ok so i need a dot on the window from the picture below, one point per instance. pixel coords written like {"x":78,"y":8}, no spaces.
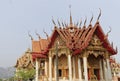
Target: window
{"x":60,"y":73}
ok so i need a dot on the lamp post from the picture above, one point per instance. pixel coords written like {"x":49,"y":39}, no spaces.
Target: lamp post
{"x":57,"y":79}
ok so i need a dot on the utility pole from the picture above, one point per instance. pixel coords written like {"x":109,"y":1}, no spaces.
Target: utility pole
{"x":57,"y":77}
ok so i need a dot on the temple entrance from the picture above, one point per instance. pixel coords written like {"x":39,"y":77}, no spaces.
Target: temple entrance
{"x":63,"y":67}
{"x":93,"y":68}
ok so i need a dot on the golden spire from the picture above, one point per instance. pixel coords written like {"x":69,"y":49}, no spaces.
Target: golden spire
{"x":70,"y":15}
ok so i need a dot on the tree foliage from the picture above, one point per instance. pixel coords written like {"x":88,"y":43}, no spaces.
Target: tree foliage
{"x":25,"y":74}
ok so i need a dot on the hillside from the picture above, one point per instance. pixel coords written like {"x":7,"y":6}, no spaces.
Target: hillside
{"x":7,"y":72}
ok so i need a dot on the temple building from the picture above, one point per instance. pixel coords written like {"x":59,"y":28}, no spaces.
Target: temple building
{"x":115,"y":68}
{"x":72,"y":53}
{"x":24,"y":63}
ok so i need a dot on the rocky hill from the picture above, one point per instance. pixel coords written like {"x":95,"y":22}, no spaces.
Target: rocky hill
{"x":7,"y":72}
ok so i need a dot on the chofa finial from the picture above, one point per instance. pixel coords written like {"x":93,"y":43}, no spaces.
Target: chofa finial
{"x":99,"y":15}
{"x":116,"y":49}
{"x":37,"y":35}
{"x":106,"y":36}
{"x":85,"y":21}
{"x":59,"y":23}
{"x":80,"y":23}
{"x":30,"y":35}
{"x":45,"y":33}
{"x":53,"y":22}
{"x":109,"y":30}
{"x":91,"y":19}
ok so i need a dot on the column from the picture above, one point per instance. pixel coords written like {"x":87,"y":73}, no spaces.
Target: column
{"x":55,"y":69}
{"x":105,"y":70}
{"x":70,"y":68}
{"x":46,"y":68}
{"x":109,"y":70}
{"x":101,"y":71}
{"x":79,"y":69}
{"x":50,"y":68}
{"x":74,"y":77}
{"x":36,"y":65}
{"x":85,"y":68}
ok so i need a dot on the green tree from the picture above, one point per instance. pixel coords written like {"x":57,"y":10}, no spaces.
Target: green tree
{"x":0,"y":79}
{"x":25,"y":74}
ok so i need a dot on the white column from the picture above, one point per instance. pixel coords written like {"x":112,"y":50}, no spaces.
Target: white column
{"x":50,"y":68}
{"x":46,"y":68}
{"x":70,"y":68}
{"x":101,"y":71}
{"x":79,"y":69}
{"x":36,"y":65}
{"x":109,"y":70}
{"x":105,"y":70}
{"x":85,"y":68}
{"x":55,"y":69}
{"x":74,"y":77}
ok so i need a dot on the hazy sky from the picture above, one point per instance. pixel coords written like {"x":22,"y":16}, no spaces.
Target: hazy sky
{"x":17,"y":17}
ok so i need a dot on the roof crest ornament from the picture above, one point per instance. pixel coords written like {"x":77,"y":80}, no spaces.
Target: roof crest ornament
{"x":30,"y":35}
{"x":53,"y":22}
{"x":80,"y":23}
{"x":106,"y":36}
{"x":85,"y":22}
{"x":116,"y":49}
{"x":99,"y":15}
{"x":77,"y":24}
{"x":37,"y":35}
{"x":65,"y":24}
{"x":62,"y":24}
{"x":91,"y":19}
{"x":58,"y":22}
{"x":45,"y":33}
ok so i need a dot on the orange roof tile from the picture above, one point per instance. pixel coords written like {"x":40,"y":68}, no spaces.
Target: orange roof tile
{"x":39,"y":46}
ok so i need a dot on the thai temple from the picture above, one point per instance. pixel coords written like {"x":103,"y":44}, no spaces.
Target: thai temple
{"x":115,"y":68}
{"x":72,"y":53}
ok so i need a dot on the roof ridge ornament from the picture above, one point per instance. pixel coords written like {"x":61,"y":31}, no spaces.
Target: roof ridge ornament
{"x":80,"y":23}
{"x":37,"y":35}
{"x":58,"y":22}
{"x":53,"y":21}
{"x":45,"y":33}
{"x":30,"y":35}
{"x":85,"y":22}
{"x":91,"y":19}
{"x":106,"y":36}
{"x":99,"y":15}
{"x":63,"y":24}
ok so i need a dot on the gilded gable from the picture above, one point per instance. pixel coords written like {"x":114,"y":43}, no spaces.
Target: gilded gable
{"x":59,"y":41}
{"x":95,"y":44}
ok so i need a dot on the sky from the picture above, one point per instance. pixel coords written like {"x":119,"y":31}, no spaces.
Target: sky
{"x":18,"y":17}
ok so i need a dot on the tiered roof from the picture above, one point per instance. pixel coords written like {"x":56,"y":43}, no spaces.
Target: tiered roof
{"x":76,"y":38}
